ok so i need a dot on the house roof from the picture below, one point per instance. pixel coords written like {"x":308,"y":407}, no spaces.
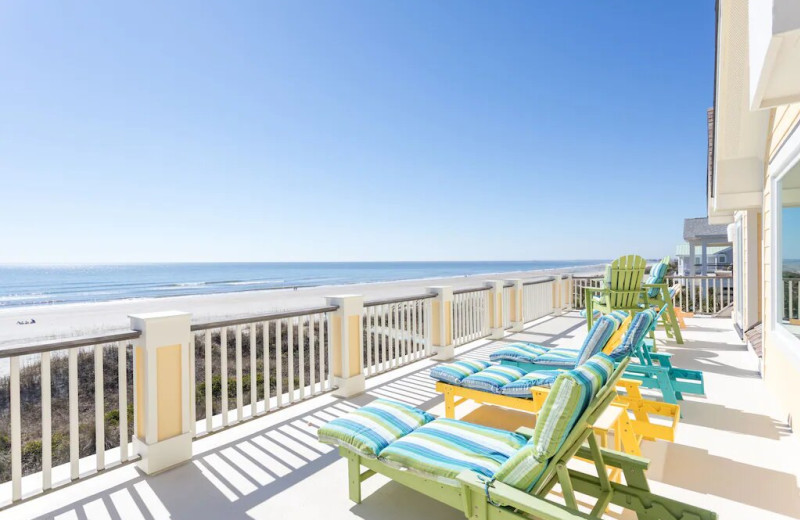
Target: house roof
{"x":697,"y":229}
{"x":683,"y":250}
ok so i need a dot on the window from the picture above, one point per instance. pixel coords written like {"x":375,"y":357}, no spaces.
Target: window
{"x":789,"y":250}
{"x":722,"y":259}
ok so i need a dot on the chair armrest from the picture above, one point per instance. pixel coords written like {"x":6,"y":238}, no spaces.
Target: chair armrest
{"x":539,"y":394}
{"x":615,"y":458}
{"x":513,"y":497}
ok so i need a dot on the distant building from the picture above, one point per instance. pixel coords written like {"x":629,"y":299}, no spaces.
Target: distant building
{"x":719,"y":258}
{"x":707,"y":247}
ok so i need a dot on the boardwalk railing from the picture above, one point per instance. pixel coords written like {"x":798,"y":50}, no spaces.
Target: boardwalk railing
{"x":69,"y":409}
{"x":66,"y":411}
{"x":470,"y":315}
{"x":703,"y":294}
{"x":537,"y":298}
{"x":396,"y":332}
{"x":252,"y":365}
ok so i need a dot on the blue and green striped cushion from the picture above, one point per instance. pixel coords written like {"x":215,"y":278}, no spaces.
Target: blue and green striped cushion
{"x":522,"y":470}
{"x":570,"y":395}
{"x":445,"y":447}
{"x":453,"y":373}
{"x":493,"y":378}
{"x":595,"y":341}
{"x":657,"y":274}
{"x":641,"y":324}
{"x":562,"y":357}
{"x":595,"y":313}
{"x":371,"y":428}
{"x":522,"y":386}
{"x":521,"y":352}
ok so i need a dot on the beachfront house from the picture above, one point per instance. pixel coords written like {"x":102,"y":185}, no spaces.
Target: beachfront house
{"x":706,"y":248}
{"x":219,"y":418}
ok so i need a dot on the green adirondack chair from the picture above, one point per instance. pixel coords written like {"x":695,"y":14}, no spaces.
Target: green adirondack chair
{"x":485,"y":498}
{"x":657,"y":293}
{"x":621,"y":290}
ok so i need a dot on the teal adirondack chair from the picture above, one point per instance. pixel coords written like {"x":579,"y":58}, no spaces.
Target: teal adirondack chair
{"x":657,"y":294}
{"x":621,"y":290}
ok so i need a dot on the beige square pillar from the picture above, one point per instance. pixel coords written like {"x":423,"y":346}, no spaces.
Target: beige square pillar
{"x":442,"y":323}
{"x":347,"y":344}
{"x":516,"y":306}
{"x":161,"y":390}
{"x":496,"y":330}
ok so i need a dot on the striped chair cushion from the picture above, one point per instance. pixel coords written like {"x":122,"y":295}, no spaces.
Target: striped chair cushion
{"x":371,"y":428}
{"x":595,"y":313}
{"x":571,"y":393}
{"x":561,"y":357}
{"x":522,"y":352}
{"x":522,"y":386}
{"x":445,"y":447}
{"x":522,"y":470}
{"x":657,"y":274}
{"x":640,"y":326}
{"x":453,"y":373}
{"x":493,"y":378}
{"x":594,"y":343}
{"x":616,"y":338}
{"x":596,"y":371}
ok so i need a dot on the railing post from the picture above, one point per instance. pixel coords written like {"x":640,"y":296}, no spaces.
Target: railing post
{"x":162,"y":433}
{"x":557,"y":294}
{"x":347,"y":344}
{"x":568,"y":292}
{"x":516,"y":303}
{"x":442,"y":323}
{"x":496,"y":330}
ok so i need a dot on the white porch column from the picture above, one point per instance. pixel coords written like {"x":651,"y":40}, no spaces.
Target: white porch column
{"x":162,"y":433}
{"x":496,"y":330}
{"x":347,"y":344}
{"x":691,"y":260}
{"x":516,"y":306}
{"x":567,"y":291}
{"x":442,"y":323}
{"x":704,"y":259}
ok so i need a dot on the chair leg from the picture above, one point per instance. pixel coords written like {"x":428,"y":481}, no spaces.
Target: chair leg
{"x":354,"y":477}
{"x":673,"y":323}
{"x":449,"y":404}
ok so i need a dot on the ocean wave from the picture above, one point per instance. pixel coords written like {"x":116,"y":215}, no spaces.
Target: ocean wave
{"x":252,"y":282}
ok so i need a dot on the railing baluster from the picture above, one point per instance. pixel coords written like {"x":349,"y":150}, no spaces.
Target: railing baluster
{"x":327,"y":335}
{"x":16,"y":430}
{"x":312,"y":354}
{"x":99,"y":409}
{"x":239,"y":386}
{"x":73,"y":414}
{"x":290,"y":356}
{"x":368,"y":369}
{"x":383,"y":339}
{"x":47,"y":431}
{"x":209,"y":382}
{"x":223,"y":370}
{"x":265,"y":347}
{"x":253,"y":371}
{"x":122,"y":376}
{"x":278,"y":363}
{"x":301,"y":349}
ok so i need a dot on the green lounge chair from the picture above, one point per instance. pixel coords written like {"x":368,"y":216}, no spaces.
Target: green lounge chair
{"x":493,"y":474}
{"x":621,"y":290}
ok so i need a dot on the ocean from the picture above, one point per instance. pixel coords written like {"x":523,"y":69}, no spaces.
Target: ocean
{"x":26,"y":285}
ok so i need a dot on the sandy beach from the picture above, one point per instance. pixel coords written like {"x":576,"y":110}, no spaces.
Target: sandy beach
{"x":60,"y":321}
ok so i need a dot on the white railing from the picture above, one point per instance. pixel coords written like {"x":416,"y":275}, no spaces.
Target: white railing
{"x":55,"y":437}
{"x":791,"y":299}
{"x":253,"y":365}
{"x":703,"y":294}
{"x":470,"y":315}
{"x":537,"y":299}
{"x":396,"y":332}
{"x":579,"y":286}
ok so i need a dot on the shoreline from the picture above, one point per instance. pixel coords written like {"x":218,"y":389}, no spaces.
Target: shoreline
{"x":73,"y":319}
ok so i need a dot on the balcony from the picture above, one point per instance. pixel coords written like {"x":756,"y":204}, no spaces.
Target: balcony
{"x":733,"y":453}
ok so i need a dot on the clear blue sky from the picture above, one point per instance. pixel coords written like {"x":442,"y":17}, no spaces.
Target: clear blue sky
{"x":358,"y":130}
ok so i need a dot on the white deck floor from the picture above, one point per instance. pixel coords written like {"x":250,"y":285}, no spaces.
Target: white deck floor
{"x":733,"y":452}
